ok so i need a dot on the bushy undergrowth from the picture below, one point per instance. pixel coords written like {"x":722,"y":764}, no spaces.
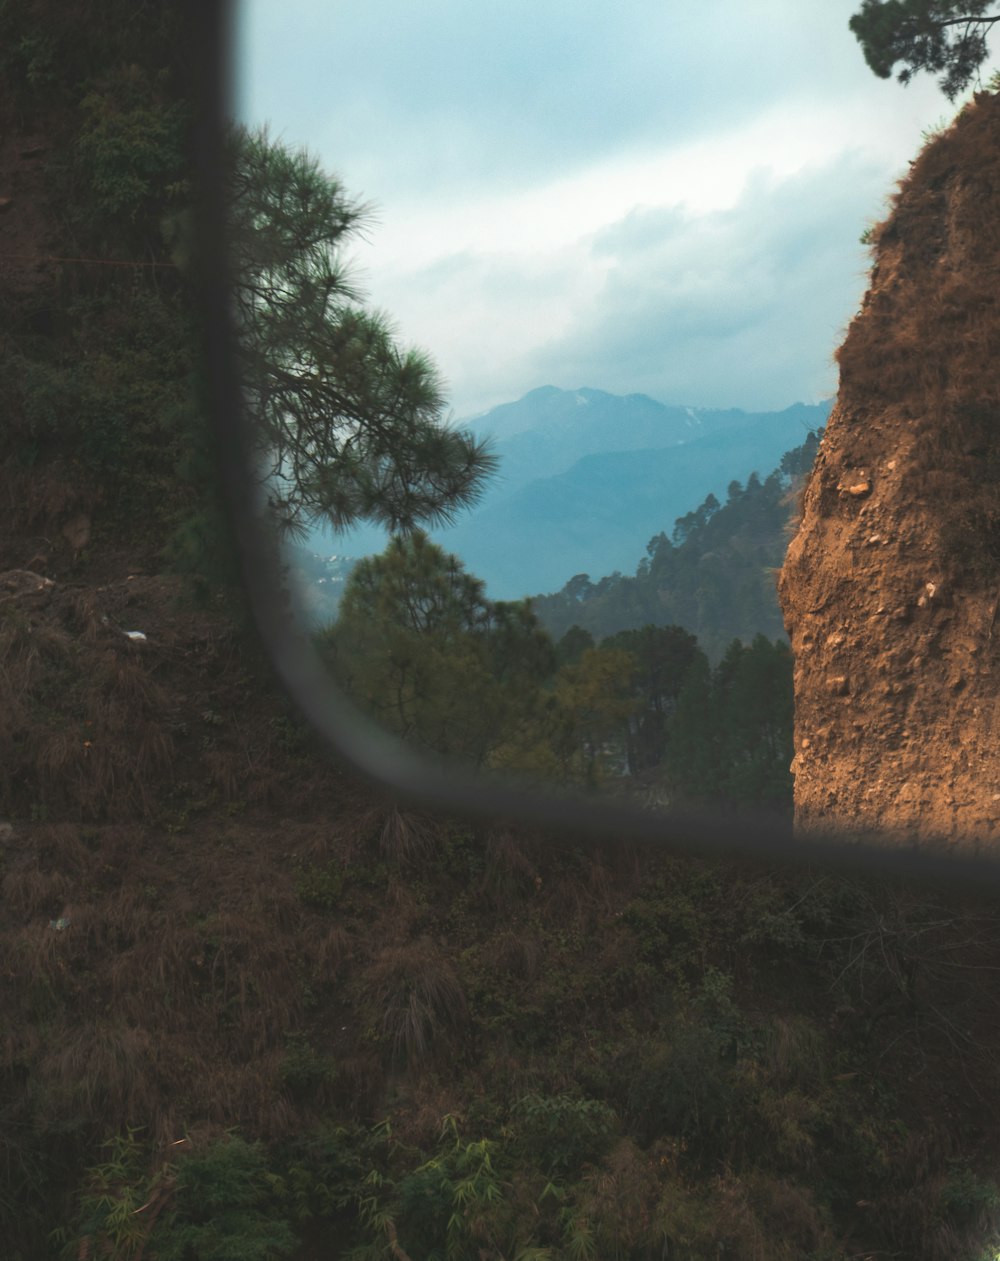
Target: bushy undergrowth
{"x":635,"y":1053}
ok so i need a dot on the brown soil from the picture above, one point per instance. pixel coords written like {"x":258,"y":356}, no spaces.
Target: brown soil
{"x":890,"y":587}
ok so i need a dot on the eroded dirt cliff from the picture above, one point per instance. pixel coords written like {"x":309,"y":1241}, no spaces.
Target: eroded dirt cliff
{"x":890,"y":587}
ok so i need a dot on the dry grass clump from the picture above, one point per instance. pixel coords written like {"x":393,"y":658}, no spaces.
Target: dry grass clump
{"x":120,"y":765}
{"x":770,"y":1218}
{"x":930,"y":318}
{"x":793,"y":1050}
{"x":76,"y":734}
{"x":519,"y":953}
{"x":29,"y":891}
{"x":510,"y":874}
{"x":403,"y":837}
{"x":948,"y":1216}
{"x":33,"y":657}
{"x":418,"y":998}
{"x":44,"y":496}
{"x":334,"y":949}
{"x":926,"y":344}
{"x":247,"y":1093}
{"x":107,"y":1067}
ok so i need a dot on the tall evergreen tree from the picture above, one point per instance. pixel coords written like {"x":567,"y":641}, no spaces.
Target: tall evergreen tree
{"x":349,"y":426}
{"x":662,"y":656}
{"x":419,"y":645}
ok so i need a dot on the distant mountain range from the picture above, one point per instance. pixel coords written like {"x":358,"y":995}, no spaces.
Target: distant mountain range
{"x":587,"y":478}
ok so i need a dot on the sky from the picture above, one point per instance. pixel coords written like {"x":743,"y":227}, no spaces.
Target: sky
{"x":642,"y":196}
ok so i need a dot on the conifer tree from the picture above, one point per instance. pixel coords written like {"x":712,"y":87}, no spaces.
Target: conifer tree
{"x":420,"y":646}
{"x":349,"y":426}
{"x":944,"y":37}
{"x":662,"y":655}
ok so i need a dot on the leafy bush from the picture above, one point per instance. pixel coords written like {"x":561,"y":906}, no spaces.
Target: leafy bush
{"x":303,"y":1069}
{"x":224,"y":1210}
{"x":560,"y":1133}
{"x":214,"y":1204}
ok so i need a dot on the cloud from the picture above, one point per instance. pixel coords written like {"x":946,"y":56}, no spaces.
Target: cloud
{"x":446,"y":95}
{"x":737,"y":307}
{"x":568,"y":194}
{"x":740,"y":306}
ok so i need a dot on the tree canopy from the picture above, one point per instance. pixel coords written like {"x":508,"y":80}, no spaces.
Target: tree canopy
{"x":943,"y":37}
{"x":419,"y":645}
{"x":350,"y":426}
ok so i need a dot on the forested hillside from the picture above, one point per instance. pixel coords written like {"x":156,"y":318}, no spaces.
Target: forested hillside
{"x":252,"y":1007}
{"x":715,"y":575}
{"x":418,"y":645}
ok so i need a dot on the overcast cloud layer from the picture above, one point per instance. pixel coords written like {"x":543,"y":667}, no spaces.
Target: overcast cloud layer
{"x":641,"y":197}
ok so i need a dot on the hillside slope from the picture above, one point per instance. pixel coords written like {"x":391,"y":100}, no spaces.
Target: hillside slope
{"x":890,"y":586}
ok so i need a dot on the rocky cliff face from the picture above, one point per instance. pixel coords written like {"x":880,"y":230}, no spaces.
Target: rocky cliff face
{"x":891,"y":585}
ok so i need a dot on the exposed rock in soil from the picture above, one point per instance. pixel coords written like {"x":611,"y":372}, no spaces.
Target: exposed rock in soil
{"x":891,"y":585}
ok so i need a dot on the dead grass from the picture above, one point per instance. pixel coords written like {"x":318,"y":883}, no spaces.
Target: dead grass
{"x":30,"y":891}
{"x":45,"y":496}
{"x":947,"y":1216}
{"x":333,"y":950}
{"x":509,"y":874}
{"x":794,"y":1051}
{"x":519,"y":953}
{"x":417,"y":997}
{"x":107,"y":1067}
{"x":402,"y":837}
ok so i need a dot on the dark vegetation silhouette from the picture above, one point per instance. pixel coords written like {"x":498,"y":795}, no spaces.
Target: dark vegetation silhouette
{"x":253,"y":1008}
{"x":419,"y":646}
{"x":945,"y":37}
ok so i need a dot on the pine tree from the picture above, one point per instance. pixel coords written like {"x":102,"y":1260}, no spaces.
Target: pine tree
{"x":349,"y":426}
{"x":662,"y":655}
{"x":945,"y":37}
{"x":420,"y":646}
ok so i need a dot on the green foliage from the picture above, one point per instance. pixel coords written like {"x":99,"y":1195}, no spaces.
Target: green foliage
{"x":130,"y":157}
{"x":348,"y":426}
{"x":213,"y":1204}
{"x":322,"y":1172}
{"x":662,"y":656}
{"x":303,"y":1070}
{"x":592,"y":708}
{"x":560,"y":1133}
{"x":572,"y":646}
{"x":418,"y":644}
{"x":320,"y":884}
{"x":101,"y":368}
{"x":945,"y":37}
{"x":967,"y":1198}
{"x":442,"y":1210}
{"x":730,"y":740}
{"x":110,"y":1203}
{"x":224,"y":1208}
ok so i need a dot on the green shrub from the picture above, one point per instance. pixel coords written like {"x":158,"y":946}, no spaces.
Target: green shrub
{"x":215,"y":1204}
{"x":224,"y":1209}
{"x":320,"y":884}
{"x":303,"y":1070}
{"x":560,"y":1133}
